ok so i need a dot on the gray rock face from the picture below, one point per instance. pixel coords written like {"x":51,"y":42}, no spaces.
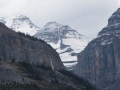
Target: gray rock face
{"x":53,"y":32}
{"x":100,"y":60}
{"x":23,"y":49}
{"x":64,"y":40}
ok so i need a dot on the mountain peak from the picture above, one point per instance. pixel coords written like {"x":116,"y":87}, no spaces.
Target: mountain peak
{"x":51,"y":26}
{"x":113,"y":26}
{"x":118,"y":8}
{"x":101,"y":55}
{"x":19,"y":22}
{"x":18,"y":16}
{"x":66,"y":41}
{"x":52,"y":23}
{"x":115,"y":18}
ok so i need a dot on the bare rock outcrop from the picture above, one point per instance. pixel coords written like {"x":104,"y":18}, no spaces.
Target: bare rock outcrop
{"x":99,"y":62}
{"x":20,"y":48}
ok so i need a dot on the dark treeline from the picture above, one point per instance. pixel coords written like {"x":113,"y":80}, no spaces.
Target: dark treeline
{"x":33,"y":38}
{"x":30,"y":37}
{"x":44,"y":67}
{"x":80,"y":80}
{"x":17,"y":86}
{"x":35,"y":74}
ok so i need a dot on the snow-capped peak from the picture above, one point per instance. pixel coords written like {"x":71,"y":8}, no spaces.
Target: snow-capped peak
{"x":53,"y":22}
{"x":20,"y":23}
{"x":66,"y":41}
{"x":53,"y":26}
{"x":18,"y":16}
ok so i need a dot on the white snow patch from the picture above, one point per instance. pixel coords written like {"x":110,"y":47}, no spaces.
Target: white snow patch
{"x":55,"y":46}
{"x":21,"y":23}
{"x":70,"y":64}
{"x":106,"y":42}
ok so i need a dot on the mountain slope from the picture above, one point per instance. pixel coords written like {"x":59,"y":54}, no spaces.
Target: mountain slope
{"x":20,"y":23}
{"x":99,"y":62}
{"x":21,"y":48}
{"x":24,"y":76}
{"x":27,"y":63}
{"x":66,"y":41}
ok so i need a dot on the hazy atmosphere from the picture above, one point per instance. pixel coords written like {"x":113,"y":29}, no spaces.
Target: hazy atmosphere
{"x":88,"y":17}
{"x":53,"y":45}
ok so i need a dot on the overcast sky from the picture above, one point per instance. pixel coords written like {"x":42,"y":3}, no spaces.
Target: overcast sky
{"x":88,"y":17}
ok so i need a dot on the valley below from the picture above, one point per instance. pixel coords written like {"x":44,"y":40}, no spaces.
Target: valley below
{"x":57,"y":57}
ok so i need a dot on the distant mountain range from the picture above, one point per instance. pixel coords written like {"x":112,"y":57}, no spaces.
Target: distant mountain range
{"x":66,"y":41}
{"x":27,"y":63}
{"x":97,"y":60}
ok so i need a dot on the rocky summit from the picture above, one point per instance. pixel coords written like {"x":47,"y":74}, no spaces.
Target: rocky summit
{"x":20,"y":23}
{"x":99,"y":62}
{"x":65,"y":40}
{"x":19,"y":47}
{"x":27,"y":63}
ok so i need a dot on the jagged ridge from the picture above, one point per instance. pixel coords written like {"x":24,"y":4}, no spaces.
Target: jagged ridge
{"x":20,"y":23}
{"x":25,"y":49}
{"x":100,"y":60}
{"x":67,"y":42}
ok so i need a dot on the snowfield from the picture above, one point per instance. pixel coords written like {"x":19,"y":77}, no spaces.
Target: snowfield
{"x":66,"y":41}
{"x":20,"y":23}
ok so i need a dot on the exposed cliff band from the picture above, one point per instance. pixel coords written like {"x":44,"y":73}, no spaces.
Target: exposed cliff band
{"x":99,"y":62}
{"x":24,"y":49}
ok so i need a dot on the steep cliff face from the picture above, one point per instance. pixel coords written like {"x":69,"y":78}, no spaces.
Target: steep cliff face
{"x":21,"y":57}
{"x":65,"y":40}
{"x":19,"y":48}
{"x":57,"y":35}
{"x":99,"y":62}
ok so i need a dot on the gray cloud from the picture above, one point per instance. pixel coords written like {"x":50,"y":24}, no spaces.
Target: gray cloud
{"x":86,"y":16}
